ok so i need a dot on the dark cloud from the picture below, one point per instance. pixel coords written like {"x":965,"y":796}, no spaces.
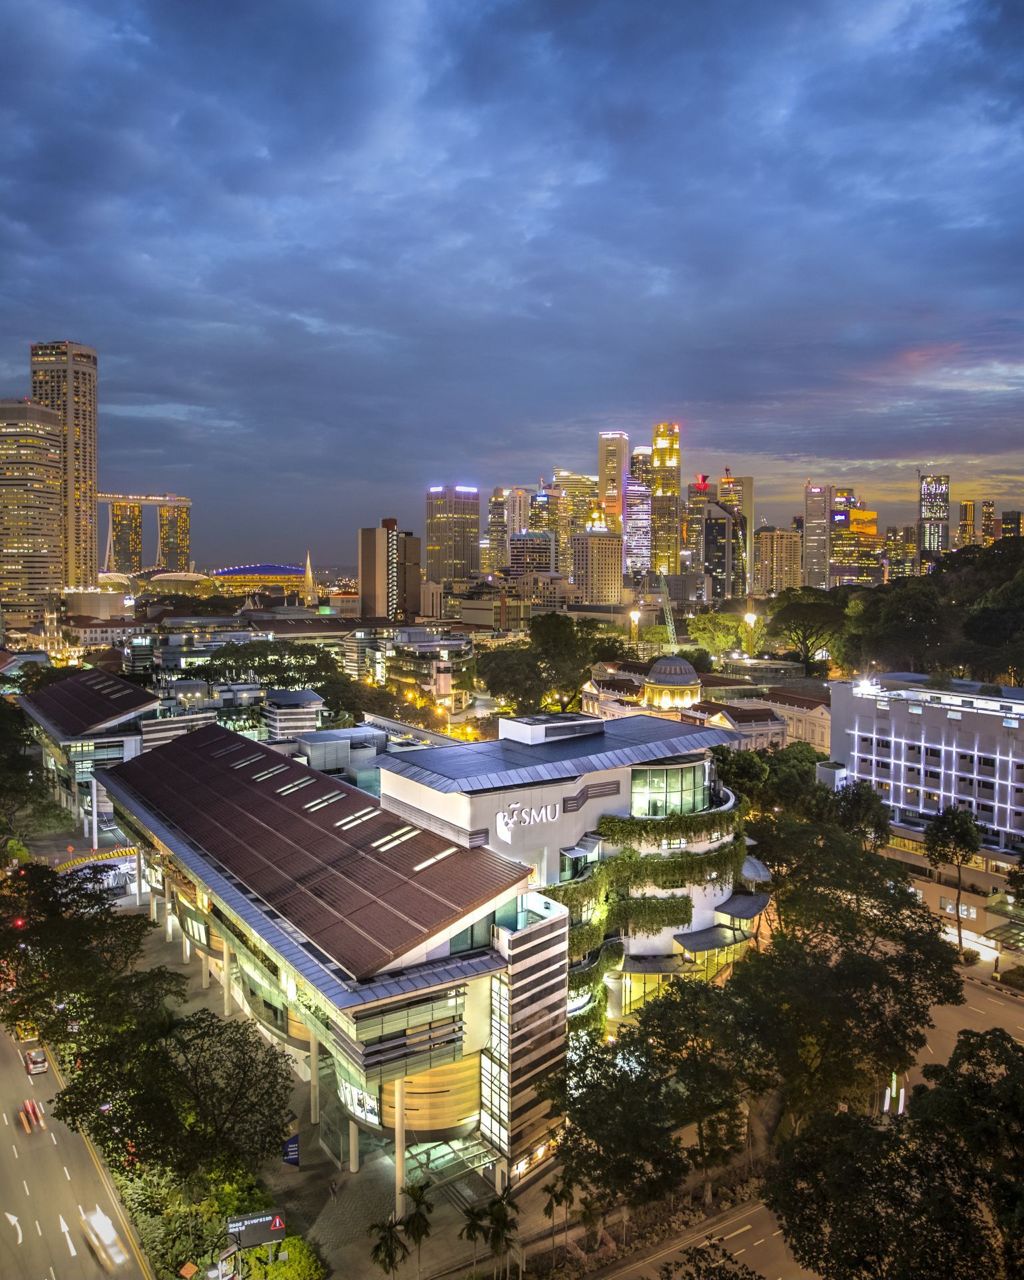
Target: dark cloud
{"x":333,"y":252}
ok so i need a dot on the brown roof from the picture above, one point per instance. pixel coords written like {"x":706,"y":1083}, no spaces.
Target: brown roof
{"x":87,"y":701}
{"x":738,"y":714}
{"x":360,"y":883}
{"x":786,"y":698}
{"x":711,"y":681}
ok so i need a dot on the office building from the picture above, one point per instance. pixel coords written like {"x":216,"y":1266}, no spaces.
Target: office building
{"x":597,"y":566}
{"x":612,"y":472}
{"x":641,"y":465}
{"x":966,"y":529}
{"x":126,"y":531}
{"x":665,"y":498}
{"x":724,"y":551}
{"x":517,"y":509}
{"x":497,"y":532}
{"x":174,"y":535}
{"x":1011,"y":524}
{"x":988,"y":522}
{"x":855,"y":546}
{"x":698,"y":494}
{"x":636,"y":518}
{"x":453,"y":533}
{"x":31,"y":512}
{"x":417,"y":979}
{"x":736,"y":493}
{"x":777,"y":560}
{"x":817,"y":514}
{"x":124,"y":539}
{"x":389,"y":572}
{"x":64,"y":378}
{"x":899,"y":552}
{"x":531,"y":552}
{"x":933,"y":516}
{"x":547,"y":515}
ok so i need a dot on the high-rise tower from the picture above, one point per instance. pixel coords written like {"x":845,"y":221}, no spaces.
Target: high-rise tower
{"x":453,"y":532}
{"x":31,"y":565}
{"x":817,"y":514}
{"x":389,"y":573}
{"x":612,"y":471}
{"x":64,"y":378}
{"x":665,"y":512}
{"x":636,"y":521}
{"x":933,"y":515}
{"x":967,"y":528}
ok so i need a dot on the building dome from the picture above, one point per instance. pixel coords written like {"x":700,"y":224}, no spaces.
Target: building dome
{"x":666,"y":672}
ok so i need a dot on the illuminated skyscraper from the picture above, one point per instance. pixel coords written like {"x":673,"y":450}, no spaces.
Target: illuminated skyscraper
{"x":665,"y":505}
{"x":698,"y":494}
{"x":531,"y":552}
{"x":640,"y":467}
{"x":855,"y":547}
{"x":933,"y":516}
{"x":31,"y":509}
{"x":125,"y":547}
{"x":637,"y":532}
{"x":777,"y":560}
{"x":497,"y":532}
{"x":988,"y":522}
{"x":724,"y":551}
{"x":817,"y":512}
{"x":737,"y":494}
{"x":1011,"y":524}
{"x":966,"y":530}
{"x":612,"y":471}
{"x":517,"y":509}
{"x":453,"y":532}
{"x":597,"y":566}
{"x":899,"y":552}
{"x":64,"y":378}
{"x":389,"y":573}
{"x":174,"y":530}
{"x":546,"y":516}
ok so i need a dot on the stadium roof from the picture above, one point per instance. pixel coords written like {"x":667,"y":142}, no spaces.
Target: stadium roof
{"x":87,"y":702}
{"x":259,"y":571}
{"x":357,"y":886}
{"x":491,"y":766}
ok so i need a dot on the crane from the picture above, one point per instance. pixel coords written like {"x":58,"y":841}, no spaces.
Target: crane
{"x":666,"y":606}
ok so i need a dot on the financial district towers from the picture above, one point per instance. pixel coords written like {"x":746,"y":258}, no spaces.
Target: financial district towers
{"x":31,"y":510}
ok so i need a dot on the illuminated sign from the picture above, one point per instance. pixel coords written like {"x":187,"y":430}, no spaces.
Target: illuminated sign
{"x":517,"y":815}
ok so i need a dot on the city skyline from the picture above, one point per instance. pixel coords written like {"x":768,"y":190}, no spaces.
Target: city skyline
{"x":563,"y":221}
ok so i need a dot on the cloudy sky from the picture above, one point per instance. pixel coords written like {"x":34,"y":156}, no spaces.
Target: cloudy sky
{"x":334,"y":251}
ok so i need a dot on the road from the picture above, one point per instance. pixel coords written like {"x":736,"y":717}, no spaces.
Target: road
{"x":46,"y":1178}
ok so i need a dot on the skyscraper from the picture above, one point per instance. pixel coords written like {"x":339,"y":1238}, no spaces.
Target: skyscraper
{"x":698,"y":494}
{"x":546,"y":517}
{"x":988,"y":522}
{"x":636,"y":519}
{"x":612,"y":471}
{"x":497,"y":532}
{"x":899,"y":552}
{"x":737,"y":494}
{"x":817,"y":513}
{"x":966,"y":529}
{"x":64,"y":378}
{"x":855,"y":546}
{"x":453,"y":532}
{"x":597,"y":566}
{"x":640,"y":464}
{"x":1011,"y":524}
{"x":777,"y":563}
{"x":174,"y":535}
{"x":31,"y":508}
{"x":517,"y":509}
{"x":724,"y":551}
{"x":389,"y":573}
{"x":665,"y":509}
{"x":531,"y":552}
{"x":125,"y":546}
{"x":933,"y":516}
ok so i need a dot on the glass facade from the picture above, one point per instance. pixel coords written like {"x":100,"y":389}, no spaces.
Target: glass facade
{"x":682,"y":788}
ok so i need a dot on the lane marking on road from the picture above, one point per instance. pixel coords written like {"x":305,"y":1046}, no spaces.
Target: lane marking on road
{"x":757,"y":1242}
{"x":777,"y":1233}
{"x":25,"y":1185}
{"x":993,"y":1000}
{"x":6,"y":1121}
{"x":52,"y":1276}
{"x":67,"y":1233}
{"x":53,"y":1138}
{"x":738,"y":1232}
{"x":930,"y":1049}
{"x":15,"y":1150}
{"x":15,"y":1224}
{"x":974,"y":1008}
{"x":736,"y":1252}
{"x":66,"y":1174}
{"x":39,"y":1230}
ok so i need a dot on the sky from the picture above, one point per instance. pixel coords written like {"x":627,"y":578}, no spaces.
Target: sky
{"x":332,"y":252}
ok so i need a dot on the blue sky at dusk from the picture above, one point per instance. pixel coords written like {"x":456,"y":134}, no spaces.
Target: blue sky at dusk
{"x":334,"y":252}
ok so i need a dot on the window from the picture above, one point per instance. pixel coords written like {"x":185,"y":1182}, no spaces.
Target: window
{"x":948,"y":905}
{"x":675,"y":789}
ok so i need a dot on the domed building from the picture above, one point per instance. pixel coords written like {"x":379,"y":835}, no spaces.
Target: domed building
{"x":672,"y":684}
{"x":181,"y":583}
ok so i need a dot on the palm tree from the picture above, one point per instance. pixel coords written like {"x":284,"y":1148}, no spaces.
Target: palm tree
{"x":416,"y":1223}
{"x":560,"y":1194}
{"x":474,"y":1228}
{"x":503,"y":1226}
{"x":389,"y":1250}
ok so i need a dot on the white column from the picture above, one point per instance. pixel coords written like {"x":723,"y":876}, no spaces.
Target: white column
{"x":399,"y":1146}
{"x":154,"y":907}
{"x":204,"y":961}
{"x":186,"y":948}
{"x":95,"y":812}
{"x":314,"y":1079}
{"x":138,"y":878}
{"x":353,"y":1147}
{"x":168,"y":916}
{"x":226,"y":978}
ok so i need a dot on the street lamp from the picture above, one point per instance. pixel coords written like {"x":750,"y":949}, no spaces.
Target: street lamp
{"x":634,"y":617}
{"x":751,"y":619}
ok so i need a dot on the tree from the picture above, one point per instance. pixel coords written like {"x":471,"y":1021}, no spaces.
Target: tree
{"x":474,"y":1227}
{"x":513,"y":676}
{"x":718,"y":633}
{"x":952,"y":838}
{"x":502,"y":1227}
{"x":860,"y":810}
{"x":807,"y":622}
{"x":389,"y":1250}
{"x":859,"y":1199}
{"x":416,"y":1223}
{"x":302,"y":1262}
{"x":563,"y":650}
{"x":560,"y":1195}
{"x":687,"y":1031}
{"x":207,"y":1094}
{"x":708,"y":1261}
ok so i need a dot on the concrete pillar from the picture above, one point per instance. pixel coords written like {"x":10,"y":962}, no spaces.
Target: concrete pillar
{"x":168,"y":916}
{"x":154,"y":907}
{"x":226,"y":978}
{"x":95,"y":813}
{"x":314,"y":1079}
{"x":138,"y":878}
{"x":186,"y":948}
{"x":204,"y":961}
{"x":399,"y":1146}
{"x":353,"y":1147}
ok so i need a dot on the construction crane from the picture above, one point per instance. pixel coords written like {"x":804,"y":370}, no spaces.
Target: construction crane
{"x":666,"y":606}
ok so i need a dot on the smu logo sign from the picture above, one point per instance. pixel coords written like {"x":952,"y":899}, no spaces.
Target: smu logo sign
{"x":517,"y":815}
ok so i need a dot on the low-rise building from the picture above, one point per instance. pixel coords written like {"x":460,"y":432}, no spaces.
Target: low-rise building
{"x":759,"y":727}
{"x":808,"y":716}
{"x":287,"y":713}
{"x":417,"y":982}
{"x":427,"y":663}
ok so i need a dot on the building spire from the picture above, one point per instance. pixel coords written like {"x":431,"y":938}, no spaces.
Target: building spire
{"x":310,"y":595}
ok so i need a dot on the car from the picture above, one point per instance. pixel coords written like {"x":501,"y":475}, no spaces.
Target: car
{"x":102,"y":1238}
{"x":36,"y":1061}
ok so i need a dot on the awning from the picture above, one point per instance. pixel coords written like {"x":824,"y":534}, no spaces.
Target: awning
{"x":753,"y":869}
{"x":744,"y":906}
{"x":656,"y":964}
{"x":1009,"y":936}
{"x":713,"y":939}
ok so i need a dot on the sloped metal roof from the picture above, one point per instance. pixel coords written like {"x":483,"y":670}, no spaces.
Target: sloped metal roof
{"x":86,"y":702}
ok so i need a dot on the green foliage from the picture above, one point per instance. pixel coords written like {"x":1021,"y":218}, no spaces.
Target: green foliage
{"x":708,"y":1261}
{"x":699,"y":659}
{"x":649,"y":915}
{"x":389,"y":1250}
{"x":953,"y":838}
{"x":584,"y":938}
{"x":718,"y":633}
{"x":773,"y":777}
{"x":1013,"y":978}
{"x":302,"y":1263}
{"x":637,"y":832}
{"x":807,"y":620}
{"x":513,"y":675}
{"x":591,"y":976}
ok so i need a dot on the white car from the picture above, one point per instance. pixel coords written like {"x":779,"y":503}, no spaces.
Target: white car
{"x":35,"y":1061}
{"x":104,"y":1241}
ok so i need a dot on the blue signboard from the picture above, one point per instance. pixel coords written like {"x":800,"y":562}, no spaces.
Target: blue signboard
{"x":290,"y":1150}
